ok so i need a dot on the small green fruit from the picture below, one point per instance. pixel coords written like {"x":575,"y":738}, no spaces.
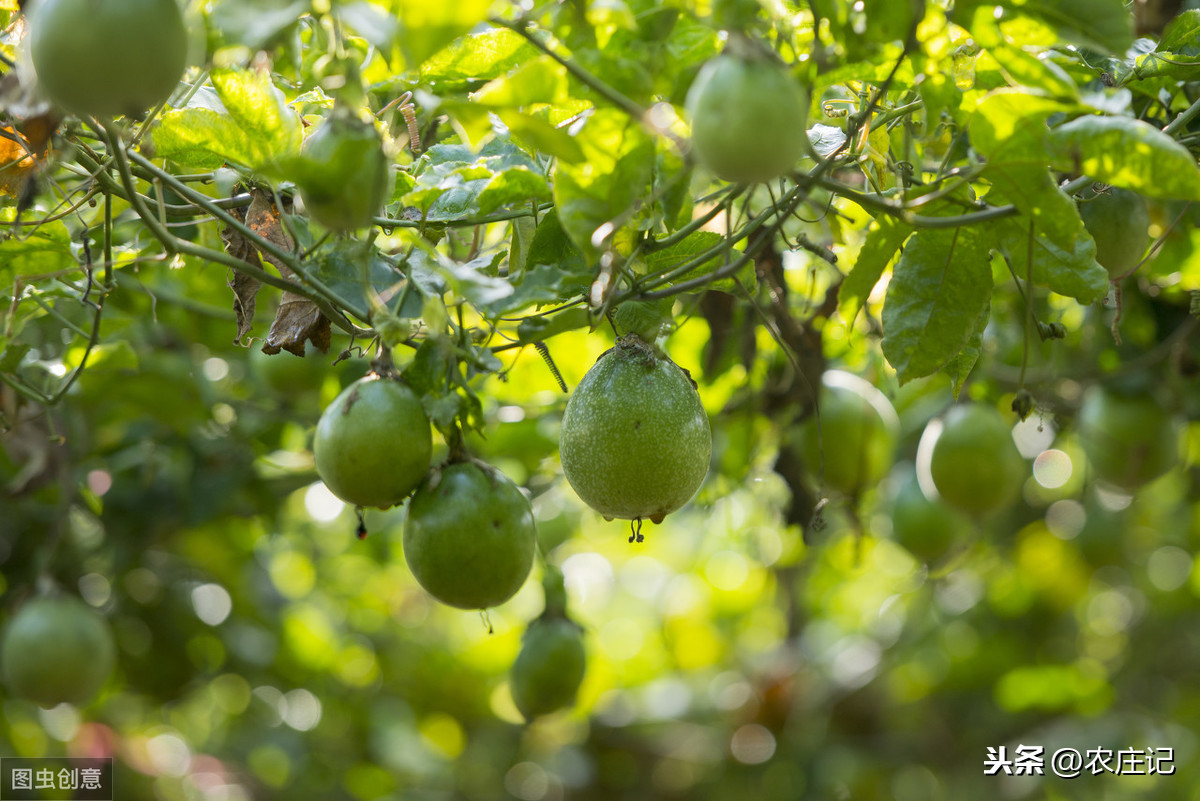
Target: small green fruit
{"x":343,"y":173}
{"x":926,"y":528}
{"x":549,"y":668}
{"x":635,"y":440}
{"x":858,"y":428}
{"x":470,"y":536}
{"x":373,"y":443}
{"x":56,"y":650}
{"x":975,"y":464}
{"x":748,"y":118}
{"x":107,"y":57}
{"x":1129,"y":440}
{"x":1119,"y":222}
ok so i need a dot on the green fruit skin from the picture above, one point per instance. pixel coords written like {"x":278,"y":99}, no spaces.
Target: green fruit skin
{"x":925,"y":528}
{"x":56,"y":650}
{"x":347,"y":182}
{"x":107,"y":57}
{"x":470,"y":536}
{"x":635,"y":440}
{"x":1129,"y":439}
{"x":1119,"y":221}
{"x":856,"y":442}
{"x":975,"y":463}
{"x":373,"y":443}
{"x":748,"y":119}
{"x":550,"y":667}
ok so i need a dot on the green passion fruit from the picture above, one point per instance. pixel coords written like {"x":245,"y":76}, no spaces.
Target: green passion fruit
{"x":1119,"y":222}
{"x":748,"y":118}
{"x":1129,"y":440}
{"x":635,"y":440}
{"x":974,"y":461}
{"x":926,"y":528}
{"x":105,"y":58}
{"x":855,"y":436}
{"x":343,"y":172}
{"x":470,"y":536}
{"x":56,"y":650}
{"x":549,"y":668}
{"x":373,"y":443}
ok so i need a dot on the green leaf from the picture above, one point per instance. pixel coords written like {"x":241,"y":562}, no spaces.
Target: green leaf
{"x":540,"y":135}
{"x":1072,"y":272}
{"x":343,"y":267}
{"x":960,"y":366}
{"x":883,"y":240}
{"x":200,"y":138}
{"x":593,"y":195}
{"x":513,"y":187}
{"x":458,"y":182}
{"x":44,"y":251}
{"x":538,"y":329}
{"x":551,"y":245}
{"x":539,"y":80}
{"x":255,"y":23}
{"x":1177,"y":54}
{"x":475,"y":280}
{"x":940,"y":286}
{"x":693,"y":246}
{"x":245,"y":120}
{"x":260,"y":110}
{"x":1009,"y":126}
{"x":1031,"y":189}
{"x":1182,"y":34}
{"x":476,"y":57}
{"x":425,"y":27}
{"x":1105,"y":25}
{"x":544,"y":283}
{"x":371,"y":22}
{"x":1128,"y":153}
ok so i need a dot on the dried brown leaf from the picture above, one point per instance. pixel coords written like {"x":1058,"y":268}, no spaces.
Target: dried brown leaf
{"x":297,"y":319}
{"x":245,"y":288}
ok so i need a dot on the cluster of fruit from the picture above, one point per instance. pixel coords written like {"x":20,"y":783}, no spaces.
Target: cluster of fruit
{"x":635,"y":444}
{"x":972,"y":461}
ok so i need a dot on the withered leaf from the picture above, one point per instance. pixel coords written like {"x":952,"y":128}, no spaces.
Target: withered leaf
{"x":297,"y":319}
{"x":245,"y":293}
{"x":245,"y":288}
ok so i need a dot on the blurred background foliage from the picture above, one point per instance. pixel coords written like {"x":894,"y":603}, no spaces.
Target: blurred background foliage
{"x":265,"y":652}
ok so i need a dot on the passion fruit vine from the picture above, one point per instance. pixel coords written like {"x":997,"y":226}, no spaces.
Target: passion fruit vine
{"x":635,"y":439}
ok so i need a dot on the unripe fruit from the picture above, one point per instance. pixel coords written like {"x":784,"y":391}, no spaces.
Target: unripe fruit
{"x":857,"y":433}
{"x":975,"y":464}
{"x":107,"y":57}
{"x":926,"y":528}
{"x":748,"y":118}
{"x":343,"y":177}
{"x":373,"y":443}
{"x":1129,"y":439}
{"x":1119,"y":222}
{"x":56,"y":650}
{"x":635,"y":439}
{"x":470,"y":536}
{"x":549,"y":668}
